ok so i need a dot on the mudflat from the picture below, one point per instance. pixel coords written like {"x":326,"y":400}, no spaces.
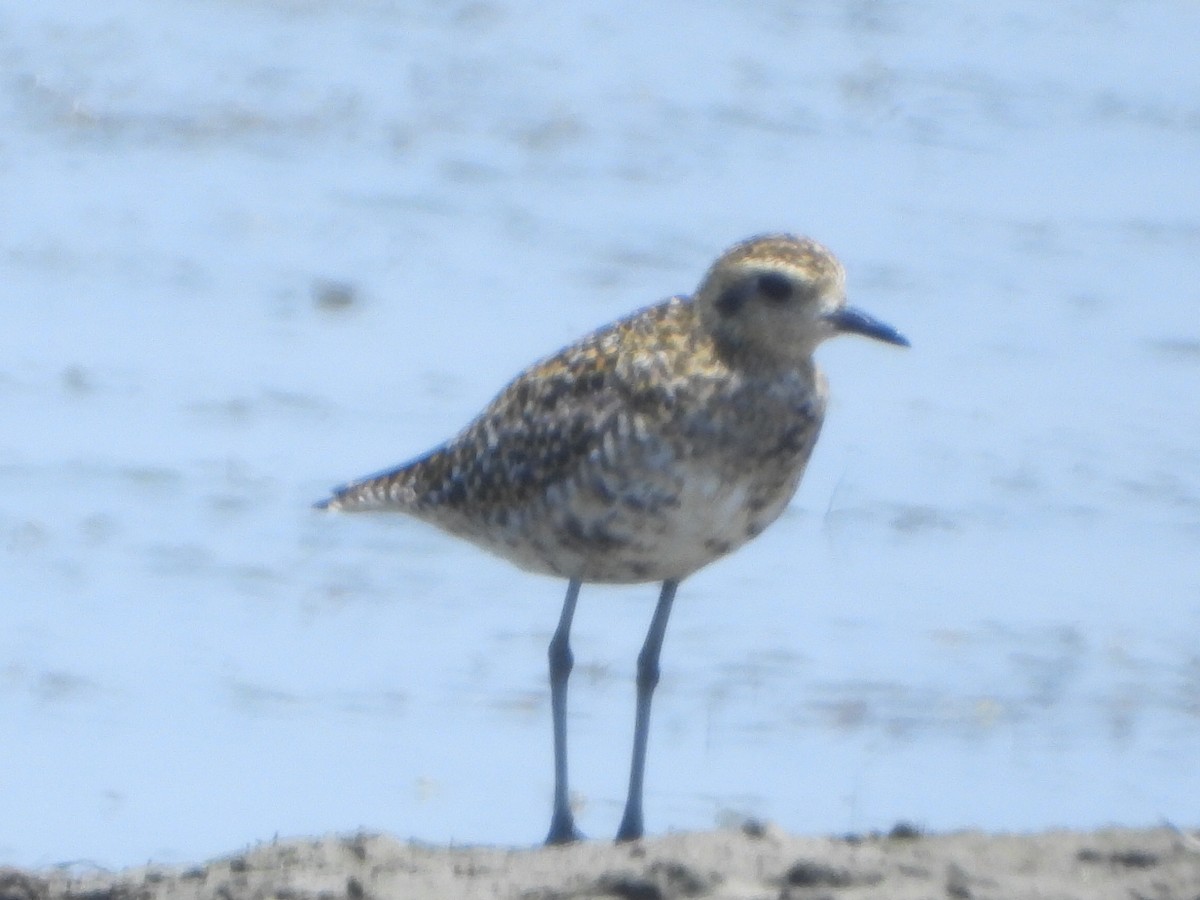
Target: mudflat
{"x":753,"y":861}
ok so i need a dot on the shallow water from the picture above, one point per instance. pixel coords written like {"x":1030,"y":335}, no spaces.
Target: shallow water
{"x":251,"y":249}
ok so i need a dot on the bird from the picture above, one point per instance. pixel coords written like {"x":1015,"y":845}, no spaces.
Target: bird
{"x":641,"y":453}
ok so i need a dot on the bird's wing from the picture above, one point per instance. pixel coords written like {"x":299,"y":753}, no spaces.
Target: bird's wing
{"x":548,"y":423}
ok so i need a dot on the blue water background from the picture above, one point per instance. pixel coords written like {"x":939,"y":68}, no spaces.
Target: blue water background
{"x":250,"y":248}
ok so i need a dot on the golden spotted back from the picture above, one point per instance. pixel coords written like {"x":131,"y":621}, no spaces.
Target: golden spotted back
{"x":652,"y":446}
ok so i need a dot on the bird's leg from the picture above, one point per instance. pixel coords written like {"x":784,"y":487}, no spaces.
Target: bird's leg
{"x":647,"y":678}
{"x":562,"y":822}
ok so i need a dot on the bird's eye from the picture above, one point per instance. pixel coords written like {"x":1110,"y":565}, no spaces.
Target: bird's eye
{"x":775,"y":287}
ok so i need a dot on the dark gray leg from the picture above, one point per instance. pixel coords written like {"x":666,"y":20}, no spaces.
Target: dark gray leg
{"x":562,"y":822}
{"x":647,"y":678}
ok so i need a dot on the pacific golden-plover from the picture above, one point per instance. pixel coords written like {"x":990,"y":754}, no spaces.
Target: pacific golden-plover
{"x":643,"y":452}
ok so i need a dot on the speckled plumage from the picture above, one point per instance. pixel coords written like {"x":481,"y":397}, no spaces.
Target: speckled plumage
{"x":645,"y":450}
{"x":642,"y":452}
{"x":592,"y":459}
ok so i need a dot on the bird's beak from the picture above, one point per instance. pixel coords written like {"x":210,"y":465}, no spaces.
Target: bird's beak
{"x":854,"y":321}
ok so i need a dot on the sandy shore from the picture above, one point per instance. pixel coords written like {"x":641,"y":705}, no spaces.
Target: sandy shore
{"x":752,"y":862}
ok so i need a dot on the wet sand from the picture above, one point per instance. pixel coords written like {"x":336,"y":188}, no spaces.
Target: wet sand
{"x":751,"y":862}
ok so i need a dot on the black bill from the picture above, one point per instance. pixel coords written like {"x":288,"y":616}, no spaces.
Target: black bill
{"x":854,"y":321}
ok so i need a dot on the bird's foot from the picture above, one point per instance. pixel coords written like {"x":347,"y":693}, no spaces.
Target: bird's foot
{"x":631,"y":828}
{"x":563,"y":830}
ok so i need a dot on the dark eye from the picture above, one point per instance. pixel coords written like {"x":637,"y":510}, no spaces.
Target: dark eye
{"x":775,"y":287}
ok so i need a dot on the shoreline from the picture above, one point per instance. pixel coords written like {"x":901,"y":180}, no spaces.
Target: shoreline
{"x":754,"y":861}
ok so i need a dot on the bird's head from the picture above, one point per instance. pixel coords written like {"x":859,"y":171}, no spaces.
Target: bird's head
{"x":772,"y":299}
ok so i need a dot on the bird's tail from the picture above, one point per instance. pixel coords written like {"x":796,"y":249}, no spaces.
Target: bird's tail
{"x":390,"y":490}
